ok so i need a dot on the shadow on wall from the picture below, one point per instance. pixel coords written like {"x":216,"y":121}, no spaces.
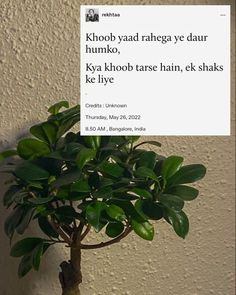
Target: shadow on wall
{"x":10,"y":284}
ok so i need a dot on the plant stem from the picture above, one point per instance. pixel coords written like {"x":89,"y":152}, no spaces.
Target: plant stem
{"x":59,"y":230}
{"x":84,"y":234}
{"x":70,"y":276}
{"x":108,"y":243}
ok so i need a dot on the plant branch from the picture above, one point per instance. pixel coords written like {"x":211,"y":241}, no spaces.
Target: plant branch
{"x":76,"y":238}
{"x":59,"y":230}
{"x":108,"y":243}
{"x":85,"y":232}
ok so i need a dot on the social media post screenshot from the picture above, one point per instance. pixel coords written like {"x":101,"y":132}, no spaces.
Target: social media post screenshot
{"x":155,"y":70}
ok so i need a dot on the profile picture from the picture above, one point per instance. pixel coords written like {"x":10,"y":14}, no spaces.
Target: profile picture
{"x":92,"y":15}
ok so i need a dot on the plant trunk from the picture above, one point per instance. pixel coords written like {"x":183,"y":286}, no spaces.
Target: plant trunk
{"x":70,"y":276}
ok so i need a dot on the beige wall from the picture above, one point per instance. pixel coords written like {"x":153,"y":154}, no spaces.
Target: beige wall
{"x":39,"y":65}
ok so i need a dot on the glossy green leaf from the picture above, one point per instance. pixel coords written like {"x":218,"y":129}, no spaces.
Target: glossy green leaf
{"x":37,"y":255}
{"x":148,"y":209}
{"x":32,"y":259}
{"x":10,"y":195}
{"x":112,"y":169}
{"x":187,"y":174}
{"x":93,"y":214}
{"x":84,"y":156}
{"x":46,"y":227}
{"x":93,"y":142}
{"x":71,"y":150}
{"x":126,"y":205}
{"x":179,"y":221}
{"x":67,"y":123}
{"x":30,"y":148}
{"x":41,"y":200}
{"x":25,"y":265}
{"x":7,"y":154}
{"x":46,"y":131}
{"x":142,"y":193}
{"x":146,"y":172}
{"x":54,"y":109}
{"x":67,"y":178}
{"x":81,"y":186}
{"x":113,"y":230}
{"x":94,"y":180}
{"x":25,"y":246}
{"x":186,"y":193}
{"x":104,"y":192}
{"x":105,"y":182}
{"x":143,"y":228}
{"x":147,"y":159}
{"x":116,"y":212}
{"x":66,"y":214}
{"x":171,"y":201}
{"x":170,"y":166}
{"x":13,"y":221}
{"x":25,"y":220}
{"x":30,"y":172}
{"x":65,"y":115}
{"x":76,"y":196}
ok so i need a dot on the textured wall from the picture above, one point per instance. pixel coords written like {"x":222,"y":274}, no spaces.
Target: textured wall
{"x":39,"y":65}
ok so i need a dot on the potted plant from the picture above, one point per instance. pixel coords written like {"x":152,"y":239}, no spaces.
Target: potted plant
{"x":72,"y":184}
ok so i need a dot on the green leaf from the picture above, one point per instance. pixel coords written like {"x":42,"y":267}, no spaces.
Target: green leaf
{"x":25,"y":265}
{"x":54,"y":109}
{"x":147,"y":159}
{"x":71,"y":150}
{"x":171,"y":201}
{"x":13,"y":220}
{"x":67,"y":123}
{"x":94,"y":180}
{"x":84,"y":156}
{"x":186,"y":193}
{"x":146,"y":172}
{"x":46,"y":131}
{"x":41,"y":200}
{"x":67,"y":178}
{"x":143,"y":228}
{"x":7,"y":154}
{"x":170,"y":166}
{"x":112,"y":169}
{"x":187,"y":174}
{"x":141,"y":193}
{"x":93,"y":142}
{"x":46,"y":227}
{"x":148,"y":209}
{"x":37,"y":255}
{"x":127,"y":206}
{"x":104,"y":192}
{"x":10,"y":195}
{"x":30,"y":172}
{"x":66,"y":214}
{"x":113,"y":230}
{"x":116,"y":212}
{"x":25,"y":246}
{"x":106,"y":182}
{"x":69,"y":114}
{"x":93,"y":214}
{"x":76,"y":196}
{"x":179,"y":221}
{"x":80,"y":186}
{"x":30,"y":148}
{"x":25,"y":220}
